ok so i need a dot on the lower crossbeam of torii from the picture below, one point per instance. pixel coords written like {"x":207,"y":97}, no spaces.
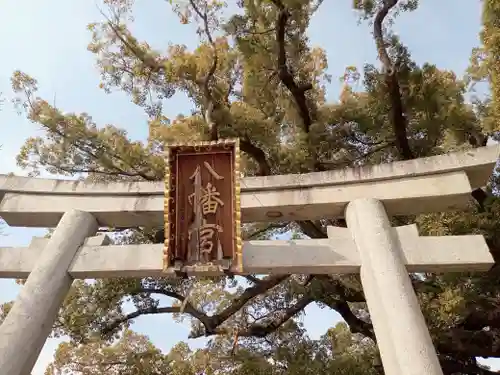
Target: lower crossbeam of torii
{"x":366,"y":197}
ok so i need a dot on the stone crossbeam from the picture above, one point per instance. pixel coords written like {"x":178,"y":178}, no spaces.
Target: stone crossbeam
{"x":434,"y":184}
{"x":337,"y":254}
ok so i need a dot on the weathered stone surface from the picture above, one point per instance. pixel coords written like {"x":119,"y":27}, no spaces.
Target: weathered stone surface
{"x":337,"y":254}
{"x":29,"y":322}
{"x":431,"y":184}
{"x":403,"y":339}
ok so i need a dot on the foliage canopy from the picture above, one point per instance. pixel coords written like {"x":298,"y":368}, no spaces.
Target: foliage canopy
{"x":255,"y":76}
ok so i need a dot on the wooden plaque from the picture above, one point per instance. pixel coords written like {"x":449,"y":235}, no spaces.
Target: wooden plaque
{"x":202,"y":207}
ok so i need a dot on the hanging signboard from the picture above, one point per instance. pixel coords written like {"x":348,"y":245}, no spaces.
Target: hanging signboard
{"x":202,"y":207}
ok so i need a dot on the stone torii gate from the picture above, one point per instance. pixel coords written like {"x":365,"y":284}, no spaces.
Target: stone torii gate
{"x":365,"y":196}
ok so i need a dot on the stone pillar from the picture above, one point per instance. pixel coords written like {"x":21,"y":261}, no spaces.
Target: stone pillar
{"x":28,"y":324}
{"x":380,"y":324}
{"x":402,"y":335}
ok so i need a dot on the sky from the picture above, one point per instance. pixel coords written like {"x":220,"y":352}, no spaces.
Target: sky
{"x":48,"y":39}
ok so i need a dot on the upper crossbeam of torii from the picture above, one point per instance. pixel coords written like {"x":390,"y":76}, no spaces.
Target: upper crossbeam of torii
{"x":432,"y":184}
{"x":366,"y":197}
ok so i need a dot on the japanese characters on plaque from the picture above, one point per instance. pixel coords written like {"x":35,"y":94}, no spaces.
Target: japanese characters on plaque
{"x":202,"y":207}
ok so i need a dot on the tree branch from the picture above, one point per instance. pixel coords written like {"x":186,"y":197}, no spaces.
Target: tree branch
{"x":311,"y":229}
{"x":262,"y":330}
{"x":145,"y":311}
{"x":398,"y":118}
{"x":329,"y":165}
{"x":354,"y":138}
{"x":356,"y":325}
{"x":378,"y":35}
{"x":211,"y":323}
{"x":470,"y":343}
{"x":149,"y":62}
{"x":252,"y":279}
{"x":101,"y":152}
{"x":456,"y":350}
{"x":298,"y":91}
{"x":258,"y":155}
{"x":120,"y":172}
{"x":452,"y":366}
{"x":261,"y":231}
{"x":207,"y":80}
{"x":483,"y":314}
{"x":336,"y":287}
{"x":245,"y":144}
{"x":249,"y":293}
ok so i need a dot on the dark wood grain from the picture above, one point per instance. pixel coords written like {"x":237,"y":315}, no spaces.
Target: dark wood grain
{"x":183,"y":161}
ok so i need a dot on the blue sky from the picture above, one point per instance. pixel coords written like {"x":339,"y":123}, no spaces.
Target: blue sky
{"x":48,"y":41}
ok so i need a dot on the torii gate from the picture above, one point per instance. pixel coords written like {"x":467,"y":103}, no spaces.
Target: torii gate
{"x":370,"y":246}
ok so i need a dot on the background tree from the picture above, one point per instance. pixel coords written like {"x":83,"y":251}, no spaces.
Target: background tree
{"x":255,"y":77}
{"x":338,"y":352}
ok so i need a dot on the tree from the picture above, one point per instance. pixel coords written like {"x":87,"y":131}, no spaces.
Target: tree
{"x":484,"y":64}
{"x":256,"y":78}
{"x":133,"y":354}
{"x":336,"y":353}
